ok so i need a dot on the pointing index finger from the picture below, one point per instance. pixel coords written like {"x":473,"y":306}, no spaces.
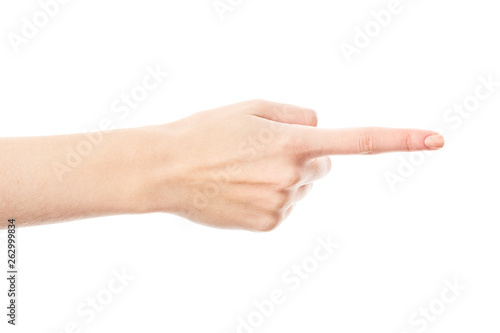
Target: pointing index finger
{"x":367,"y":140}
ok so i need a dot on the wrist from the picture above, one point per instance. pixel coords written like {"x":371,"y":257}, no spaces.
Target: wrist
{"x":151,"y":153}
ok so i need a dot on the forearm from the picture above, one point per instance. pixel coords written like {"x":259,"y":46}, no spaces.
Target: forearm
{"x":65,"y":177}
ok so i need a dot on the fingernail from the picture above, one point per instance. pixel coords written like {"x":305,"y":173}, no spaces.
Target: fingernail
{"x":435,"y":141}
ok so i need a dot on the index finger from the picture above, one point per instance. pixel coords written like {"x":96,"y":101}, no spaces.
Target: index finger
{"x":367,"y":140}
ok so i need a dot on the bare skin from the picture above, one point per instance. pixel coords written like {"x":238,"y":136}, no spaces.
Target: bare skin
{"x":240,"y":166}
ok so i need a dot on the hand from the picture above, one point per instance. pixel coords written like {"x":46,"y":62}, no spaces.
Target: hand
{"x":246,"y":165}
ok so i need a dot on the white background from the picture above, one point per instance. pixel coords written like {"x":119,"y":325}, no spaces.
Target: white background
{"x":397,"y":247}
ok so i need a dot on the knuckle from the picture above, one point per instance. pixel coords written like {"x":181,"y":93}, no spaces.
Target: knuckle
{"x":289,"y":178}
{"x":304,"y":191}
{"x":293,"y":145}
{"x":409,"y":142}
{"x":328,"y":165}
{"x":268,"y":222}
{"x":308,"y":188}
{"x":278,"y":200}
{"x":290,"y":145}
{"x":365,"y":142}
{"x":286,"y":142}
{"x":311,"y":117}
{"x":304,"y":116}
{"x":260,"y":103}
